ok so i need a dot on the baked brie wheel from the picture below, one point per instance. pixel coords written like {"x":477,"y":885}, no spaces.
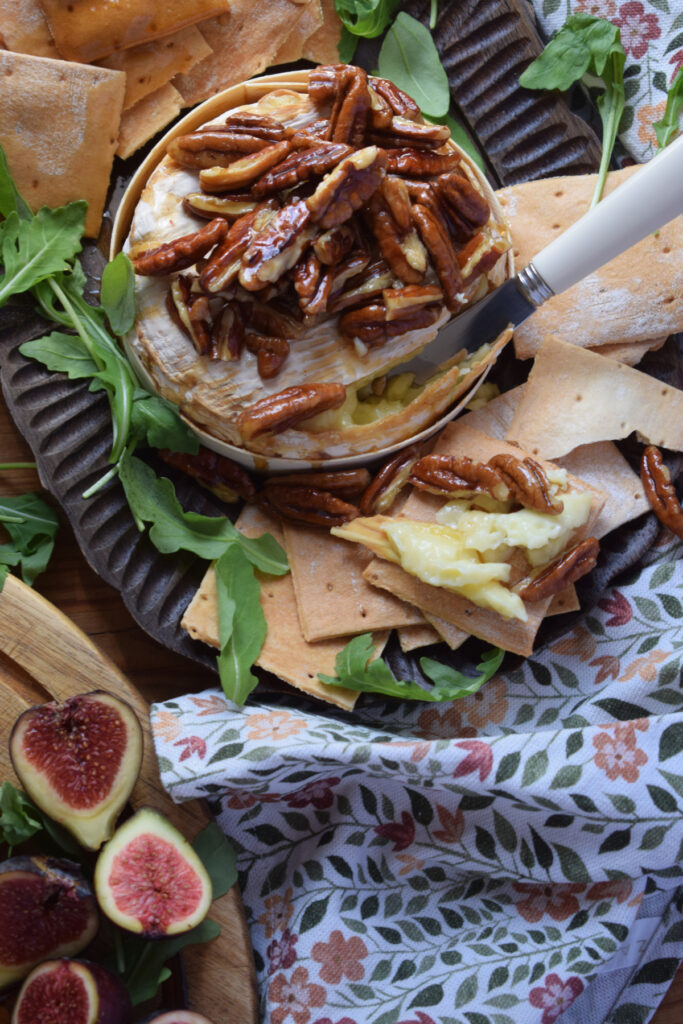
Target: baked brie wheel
{"x":290,"y":253}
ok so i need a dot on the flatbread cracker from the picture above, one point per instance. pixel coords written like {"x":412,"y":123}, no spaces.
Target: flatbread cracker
{"x":411,"y":638}
{"x":323,"y":46}
{"x":635,"y":297}
{"x":67,"y":155}
{"x":511,"y":634}
{"x":632,"y":353}
{"x":574,"y":397}
{"x":149,"y":115}
{"x":86,"y":31}
{"x":285,"y":653}
{"x":244,"y":42}
{"x":292,"y":47}
{"x":24,"y":29}
{"x":151,"y":65}
{"x":332,"y":597}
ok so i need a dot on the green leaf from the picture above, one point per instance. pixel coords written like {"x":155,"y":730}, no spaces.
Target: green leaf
{"x":117,"y":293}
{"x":32,"y":526}
{"x":671,"y":741}
{"x":535,"y":768}
{"x":466,"y":991}
{"x":653,"y":837}
{"x":313,"y":914}
{"x":10,"y":199}
{"x":31,"y":250}
{"x":241,"y":623}
{"x":19,"y":820}
{"x":217,"y":856}
{"x":366,"y":18}
{"x":61,"y":353}
{"x":140,"y":962}
{"x":157,"y":423}
{"x":357,"y":670}
{"x":409,"y":58}
{"x":624,"y":804}
{"x":573,"y":867}
{"x":346,"y":47}
{"x":508,"y":766}
{"x":662,"y":799}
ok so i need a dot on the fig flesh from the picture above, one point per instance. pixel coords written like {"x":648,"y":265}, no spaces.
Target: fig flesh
{"x":47,"y":909}
{"x":149,"y":880}
{"x":72,"y":992}
{"x":78,"y":761}
{"x":179,"y":1017}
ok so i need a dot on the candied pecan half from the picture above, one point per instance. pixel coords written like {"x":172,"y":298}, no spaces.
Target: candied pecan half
{"x":300,"y":166}
{"x":399,"y":101}
{"x":345,"y":483}
{"x":287,"y":408}
{"x":451,"y":474}
{"x":313,"y":284}
{"x":467,"y":209}
{"x":569,"y":567}
{"x":332,"y":246}
{"x":443,"y":255}
{"x":345,"y":189}
{"x":402,"y":249}
{"x":207,"y":142}
{"x":369,"y":324}
{"x":182,"y":252}
{"x":326,"y":81}
{"x":306,"y":504}
{"x":402,"y":133}
{"x":230,"y":207}
{"x":660,"y":491}
{"x":388,"y":482}
{"x":270,"y":353}
{"x":251,"y":123}
{"x":527,"y":483}
{"x":398,"y":301}
{"x":270,"y":318}
{"x":420,"y":162}
{"x":227,"y":336}
{"x":245,"y":170}
{"x":222,"y":269}
{"x":277,"y":247}
{"x":349,"y":117}
{"x":380,"y":112}
{"x":365,"y":281}
{"x":220,"y":474}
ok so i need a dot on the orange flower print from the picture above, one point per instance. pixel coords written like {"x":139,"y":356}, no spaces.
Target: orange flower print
{"x":598,"y":8}
{"x":618,"y":756}
{"x":275,"y":725}
{"x":340,"y":958}
{"x":166,"y":725}
{"x":453,"y":825}
{"x":647,"y":115}
{"x":557,"y":901}
{"x":279,"y":909}
{"x":487,"y":705}
{"x":443,"y":723}
{"x":294,"y":996}
{"x":579,"y":642}
{"x":212,"y":705}
{"x":645,"y":667}
{"x":618,"y":889}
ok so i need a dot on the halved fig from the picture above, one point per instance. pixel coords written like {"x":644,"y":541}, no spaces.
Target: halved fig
{"x":149,"y":880}
{"x":72,"y":992}
{"x":79,"y":761}
{"x":178,"y":1017}
{"x":47,"y":909}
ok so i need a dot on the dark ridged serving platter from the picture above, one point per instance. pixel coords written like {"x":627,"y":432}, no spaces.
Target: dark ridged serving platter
{"x":485,"y":45}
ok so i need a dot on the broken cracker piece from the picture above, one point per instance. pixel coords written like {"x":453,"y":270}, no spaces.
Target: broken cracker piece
{"x":323,"y":46}
{"x":151,"y":65}
{"x":149,"y":115}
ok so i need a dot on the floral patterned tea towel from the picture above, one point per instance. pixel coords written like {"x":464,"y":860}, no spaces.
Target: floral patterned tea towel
{"x":510,"y":858}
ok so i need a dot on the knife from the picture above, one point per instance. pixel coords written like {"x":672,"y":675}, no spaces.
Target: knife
{"x":650,"y":198}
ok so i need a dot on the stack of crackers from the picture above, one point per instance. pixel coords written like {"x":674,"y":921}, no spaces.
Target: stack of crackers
{"x":86,"y":81}
{"x":580,"y":396}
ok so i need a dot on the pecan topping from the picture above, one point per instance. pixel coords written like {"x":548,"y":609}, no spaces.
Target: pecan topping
{"x":402,"y":249}
{"x":380,"y":112}
{"x":271,"y":319}
{"x":251,"y":123}
{"x":466,"y":208}
{"x":243,"y":171}
{"x":199,"y":148}
{"x":228,"y":333}
{"x":444,"y":256}
{"x":371,"y":326}
{"x":221,"y":475}
{"x":455,"y":474}
{"x":182,"y":252}
{"x":422,"y":163}
{"x":345,"y":483}
{"x":332,"y":246}
{"x":277,"y":247}
{"x":306,"y":504}
{"x":289,"y":407}
{"x":366,"y":281}
{"x":224,"y":265}
{"x":326,"y":81}
{"x":402,"y":133}
{"x":660,"y":490}
{"x":231,"y":207}
{"x":388,"y":482}
{"x":302,"y":165}
{"x":569,"y":567}
{"x":351,"y":110}
{"x":527,"y":483}
{"x":313,"y":284}
{"x":347,"y":187}
{"x":399,"y":101}
{"x":191,"y":313}
{"x":399,"y":301}
{"x":270,"y":353}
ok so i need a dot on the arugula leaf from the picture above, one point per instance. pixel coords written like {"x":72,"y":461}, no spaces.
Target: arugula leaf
{"x":18,"y":819}
{"x":218,"y":857}
{"x":117,"y":293}
{"x":585,"y":45}
{"x":409,"y":58}
{"x":346,"y":47}
{"x":433,"y":12}
{"x":31,"y":250}
{"x":156,"y":422}
{"x":62,"y":353}
{"x":357,"y":671}
{"x":32,"y":526}
{"x":10,"y":199}
{"x":667,"y":129}
{"x":140,"y":963}
{"x":241,"y":623}
{"x":366,"y":18}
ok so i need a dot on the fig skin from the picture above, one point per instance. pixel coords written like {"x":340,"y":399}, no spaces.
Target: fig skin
{"x":178,"y":1017}
{"x":56,"y":990}
{"x":47,"y":909}
{"x":79,"y":761}
{"x":149,"y":880}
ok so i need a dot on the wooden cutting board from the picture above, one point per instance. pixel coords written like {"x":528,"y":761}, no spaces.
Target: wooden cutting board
{"x":44,"y":656}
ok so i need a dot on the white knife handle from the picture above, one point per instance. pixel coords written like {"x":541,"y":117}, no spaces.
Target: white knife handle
{"x":650,"y":198}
